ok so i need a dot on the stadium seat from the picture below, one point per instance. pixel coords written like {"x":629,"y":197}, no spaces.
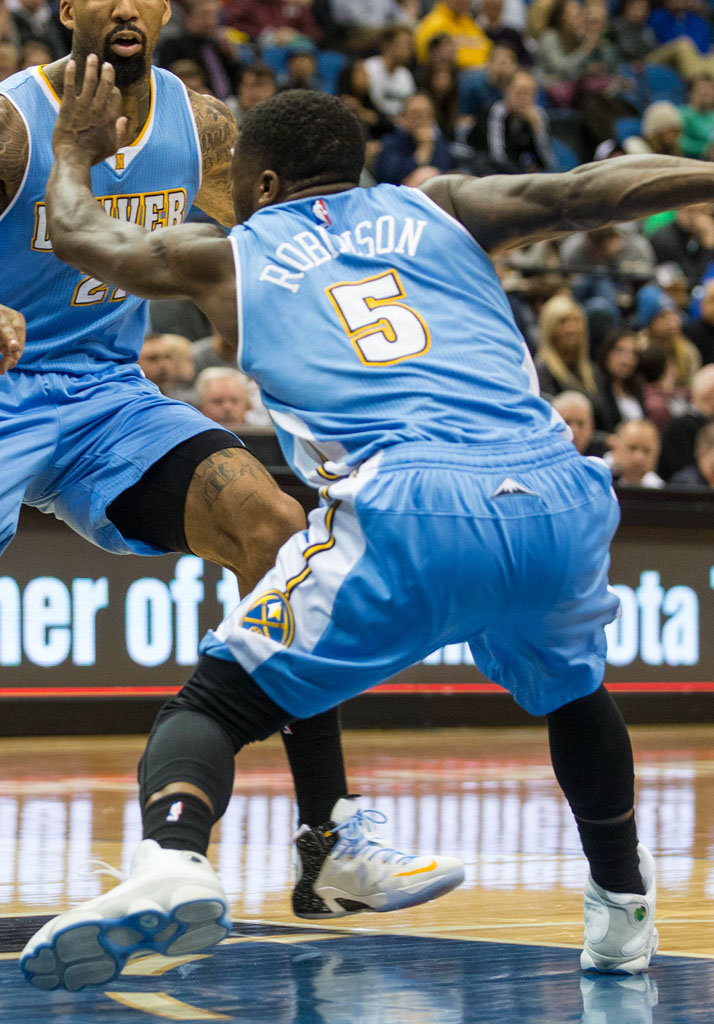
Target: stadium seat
{"x":275,"y":57}
{"x":565,"y":158}
{"x":329,"y":65}
{"x":665,"y":84}
{"x":626,"y":127}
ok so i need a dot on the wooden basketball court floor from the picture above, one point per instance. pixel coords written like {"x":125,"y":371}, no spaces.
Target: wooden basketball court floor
{"x":502,"y":948}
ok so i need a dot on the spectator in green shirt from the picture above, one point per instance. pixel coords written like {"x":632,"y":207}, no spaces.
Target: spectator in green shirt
{"x":698,"y":118}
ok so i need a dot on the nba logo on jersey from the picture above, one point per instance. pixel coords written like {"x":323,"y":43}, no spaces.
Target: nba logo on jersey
{"x":319,"y":212}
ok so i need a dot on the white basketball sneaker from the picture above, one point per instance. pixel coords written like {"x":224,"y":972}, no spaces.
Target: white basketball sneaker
{"x":172,"y":903}
{"x":620,"y":933}
{"x":345,"y":867}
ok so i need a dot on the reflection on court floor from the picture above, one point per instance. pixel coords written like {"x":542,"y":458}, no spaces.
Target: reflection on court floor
{"x":284,"y":975}
{"x":513,"y":833}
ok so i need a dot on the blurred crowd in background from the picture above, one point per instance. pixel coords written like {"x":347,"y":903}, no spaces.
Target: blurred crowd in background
{"x":620,"y":321}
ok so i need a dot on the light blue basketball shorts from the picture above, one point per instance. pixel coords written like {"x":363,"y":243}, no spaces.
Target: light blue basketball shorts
{"x":71,"y":443}
{"x":425,"y":545}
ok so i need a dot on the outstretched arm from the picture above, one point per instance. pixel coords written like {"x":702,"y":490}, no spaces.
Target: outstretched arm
{"x":217,"y":133}
{"x":505,"y":211}
{"x":194,"y":260}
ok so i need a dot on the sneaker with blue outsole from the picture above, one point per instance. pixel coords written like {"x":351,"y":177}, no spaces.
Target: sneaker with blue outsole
{"x":171,"y":903}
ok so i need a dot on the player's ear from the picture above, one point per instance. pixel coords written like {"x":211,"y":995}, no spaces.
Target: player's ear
{"x":66,"y":14}
{"x":166,"y":14}
{"x":268,"y":189}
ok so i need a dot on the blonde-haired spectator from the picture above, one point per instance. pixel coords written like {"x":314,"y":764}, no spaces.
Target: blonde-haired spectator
{"x":562,"y":358}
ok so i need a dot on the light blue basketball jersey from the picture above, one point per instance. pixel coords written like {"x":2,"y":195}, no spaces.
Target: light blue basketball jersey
{"x":371,"y":318}
{"x":76,"y":324}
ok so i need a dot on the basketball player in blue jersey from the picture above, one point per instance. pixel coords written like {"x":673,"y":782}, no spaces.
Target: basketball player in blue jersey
{"x":455,"y":507}
{"x":85,"y":436}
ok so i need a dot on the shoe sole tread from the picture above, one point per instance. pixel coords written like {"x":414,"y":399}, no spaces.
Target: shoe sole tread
{"x":88,"y":953}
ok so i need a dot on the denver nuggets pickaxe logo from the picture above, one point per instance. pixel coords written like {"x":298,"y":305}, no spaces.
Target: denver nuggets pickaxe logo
{"x":272,"y":616}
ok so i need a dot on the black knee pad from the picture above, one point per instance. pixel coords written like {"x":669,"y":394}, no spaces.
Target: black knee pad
{"x":198,"y":732}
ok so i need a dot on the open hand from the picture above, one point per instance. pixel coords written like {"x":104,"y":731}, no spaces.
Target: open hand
{"x":89,"y":123}
{"x":12,"y":338}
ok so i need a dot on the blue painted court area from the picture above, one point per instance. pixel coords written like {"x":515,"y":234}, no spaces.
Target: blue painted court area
{"x":272,"y":974}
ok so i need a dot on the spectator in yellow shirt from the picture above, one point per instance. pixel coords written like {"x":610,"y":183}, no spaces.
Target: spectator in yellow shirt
{"x":452,"y":17}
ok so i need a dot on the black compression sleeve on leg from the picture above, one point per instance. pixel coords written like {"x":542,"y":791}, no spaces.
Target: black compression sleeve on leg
{"x":592,"y":757}
{"x":198,"y":732}
{"x":314,"y":750}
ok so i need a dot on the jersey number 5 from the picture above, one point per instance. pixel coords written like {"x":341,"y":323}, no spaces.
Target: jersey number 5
{"x":382,"y":329}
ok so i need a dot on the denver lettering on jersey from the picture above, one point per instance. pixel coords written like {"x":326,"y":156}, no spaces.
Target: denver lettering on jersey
{"x":151,"y":210}
{"x":310,"y":249}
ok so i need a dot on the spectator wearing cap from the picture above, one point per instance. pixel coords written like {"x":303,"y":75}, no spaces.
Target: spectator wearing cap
{"x":700,"y":329}
{"x":660,"y":324}
{"x":390,"y":80}
{"x":661,"y":129}
{"x":453,"y":17}
{"x":272,"y":22}
{"x":688,"y":241}
{"x":300,"y":67}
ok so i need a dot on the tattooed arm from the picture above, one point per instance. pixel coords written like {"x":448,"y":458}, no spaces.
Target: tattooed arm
{"x":217,"y":131}
{"x":14,"y":152}
{"x":506,"y":210}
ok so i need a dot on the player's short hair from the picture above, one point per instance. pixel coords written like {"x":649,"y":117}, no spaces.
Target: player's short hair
{"x":304,"y":135}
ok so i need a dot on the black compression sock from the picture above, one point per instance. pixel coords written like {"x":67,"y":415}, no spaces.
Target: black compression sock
{"x":611,"y":850}
{"x":180,"y":821}
{"x":314,"y":749}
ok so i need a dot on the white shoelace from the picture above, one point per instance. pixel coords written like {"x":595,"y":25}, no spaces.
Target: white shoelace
{"x":90,"y":868}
